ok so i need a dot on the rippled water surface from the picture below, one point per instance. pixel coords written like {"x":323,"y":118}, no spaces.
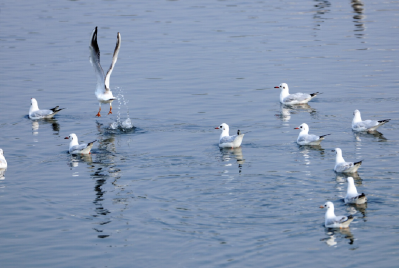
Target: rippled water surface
{"x":163,"y":194}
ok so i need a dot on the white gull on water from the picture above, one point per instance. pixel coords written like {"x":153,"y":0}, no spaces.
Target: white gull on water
{"x":226,"y":141}
{"x":3,"y":162}
{"x":308,"y":139}
{"x":343,"y":166}
{"x":36,"y":113}
{"x":367,"y":125}
{"x":333,"y":221}
{"x":352,"y":195}
{"x":297,"y":98}
{"x":103,"y":92}
{"x":76,"y":148}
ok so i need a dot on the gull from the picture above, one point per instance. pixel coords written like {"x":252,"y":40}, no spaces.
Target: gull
{"x":103,"y":92}
{"x":333,"y":221}
{"x":76,"y":148}
{"x":226,"y":141}
{"x":343,"y":166}
{"x":3,"y":162}
{"x":35,"y":113}
{"x":308,"y":139}
{"x":297,"y":98}
{"x":367,"y":125}
{"x":352,"y":195}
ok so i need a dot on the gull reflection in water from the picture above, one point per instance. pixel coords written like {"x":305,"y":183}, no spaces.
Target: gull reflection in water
{"x":288,"y":110}
{"x":235,"y":153}
{"x":336,"y":235}
{"x":76,"y":159}
{"x":368,"y":135}
{"x":54,"y":124}
{"x":2,"y":173}
{"x":307,"y":149}
{"x":358,"y":18}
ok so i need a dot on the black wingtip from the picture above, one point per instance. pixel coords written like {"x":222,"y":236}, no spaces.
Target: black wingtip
{"x":314,"y":94}
{"x":359,"y":162}
{"x":361,"y":195}
{"x":324,"y":136}
{"x":350,"y":217}
{"x":383,"y":121}
{"x":238,"y":132}
{"x":91,"y":142}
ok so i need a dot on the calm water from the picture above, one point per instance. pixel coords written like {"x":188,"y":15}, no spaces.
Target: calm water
{"x":164,"y":194}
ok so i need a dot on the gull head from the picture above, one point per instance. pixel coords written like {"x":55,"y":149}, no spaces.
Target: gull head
{"x":71,"y":137}
{"x":1,"y":151}
{"x":283,"y":86}
{"x":327,"y":205}
{"x":303,"y":127}
{"x":223,"y":126}
{"x":338,"y":151}
{"x":356,"y":112}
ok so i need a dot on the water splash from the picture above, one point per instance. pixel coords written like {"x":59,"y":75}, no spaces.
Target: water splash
{"x":122,"y":124}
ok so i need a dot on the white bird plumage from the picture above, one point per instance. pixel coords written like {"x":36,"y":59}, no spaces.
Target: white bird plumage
{"x":352,"y":195}
{"x":3,"y":162}
{"x":36,"y":113}
{"x":226,"y":141}
{"x":297,"y":98}
{"x":76,"y":148}
{"x":103,"y":92}
{"x":308,"y":139}
{"x":333,"y":221}
{"x":367,"y":125}
{"x":343,"y":166}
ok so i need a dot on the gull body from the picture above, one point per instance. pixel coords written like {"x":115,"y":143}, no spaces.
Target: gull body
{"x":333,"y":221}
{"x":343,"y":166}
{"x":36,"y":113}
{"x":103,"y":92}
{"x":3,"y":162}
{"x":76,"y":148}
{"x":226,"y":141}
{"x":297,"y":98}
{"x":308,"y":139}
{"x":367,"y":125}
{"x":352,"y":196}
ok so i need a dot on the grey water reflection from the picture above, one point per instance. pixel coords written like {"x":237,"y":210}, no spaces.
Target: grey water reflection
{"x":337,"y":235}
{"x":288,"y":110}
{"x":371,"y":134}
{"x":76,"y":159}
{"x":2,"y":173}
{"x":358,"y":7}
{"x":104,"y":170}
{"x":54,"y":125}
{"x":342,"y":178}
{"x":232,"y":154}
{"x":322,"y":7}
{"x":306,"y":150}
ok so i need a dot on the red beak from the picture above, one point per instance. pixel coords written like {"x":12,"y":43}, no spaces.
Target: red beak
{"x":296,"y":128}
{"x":276,"y":87}
{"x":66,"y":138}
{"x":217,"y":128}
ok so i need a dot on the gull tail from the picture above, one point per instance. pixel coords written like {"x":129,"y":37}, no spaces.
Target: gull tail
{"x":56,"y":110}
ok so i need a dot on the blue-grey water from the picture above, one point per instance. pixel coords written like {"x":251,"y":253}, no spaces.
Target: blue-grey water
{"x":163,"y":194}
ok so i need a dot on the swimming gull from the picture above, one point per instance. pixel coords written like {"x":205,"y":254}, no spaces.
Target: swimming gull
{"x":367,"y":125}
{"x":36,"y":113}
{"x":343,"y":166}
{"x":297,"y":98}
{"x":226,"y":141}
{"x":3,"y":162}
{"x":76,"y":148}
{"x":352,"y":195}
{"x":333,"y":221}
{"x":308,"y":139}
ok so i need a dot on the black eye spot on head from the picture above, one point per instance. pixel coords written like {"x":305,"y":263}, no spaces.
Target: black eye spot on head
{"x":220,"y":126}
